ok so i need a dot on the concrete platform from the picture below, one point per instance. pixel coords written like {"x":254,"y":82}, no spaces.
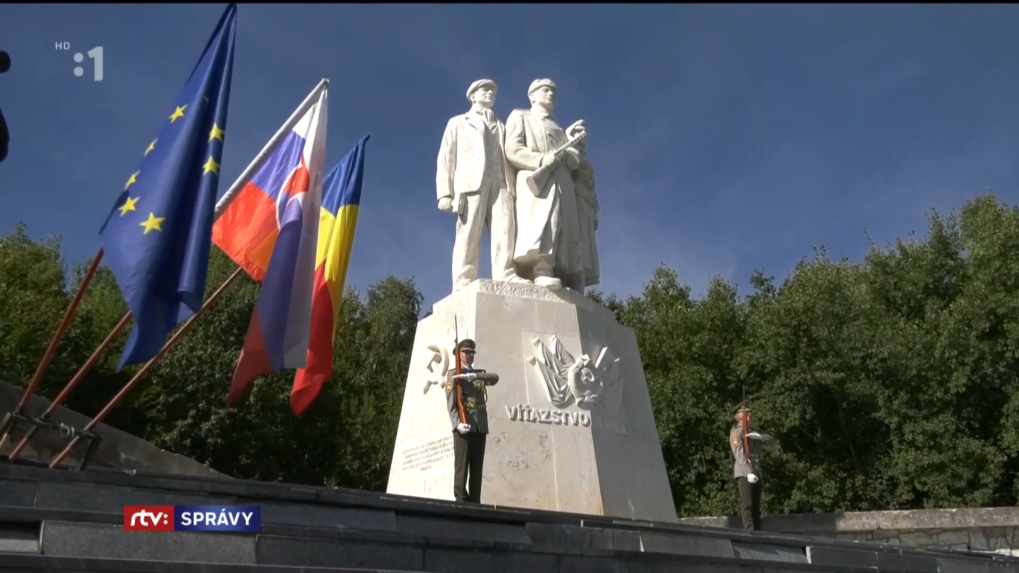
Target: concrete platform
{"x":58,"y":520}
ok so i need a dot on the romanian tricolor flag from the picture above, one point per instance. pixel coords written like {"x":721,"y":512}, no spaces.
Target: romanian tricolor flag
{"x":341,"y":198}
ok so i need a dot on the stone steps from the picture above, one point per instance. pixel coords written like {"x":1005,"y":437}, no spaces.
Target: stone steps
{"x":31,"y":563}
{"x":62,"y":520}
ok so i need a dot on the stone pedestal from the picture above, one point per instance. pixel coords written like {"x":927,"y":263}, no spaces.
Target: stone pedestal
{"x":571,"y":426}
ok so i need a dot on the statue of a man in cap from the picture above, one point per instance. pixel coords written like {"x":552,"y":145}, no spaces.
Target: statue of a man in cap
{"x":472,"y":182}
{"x":547,"y":248}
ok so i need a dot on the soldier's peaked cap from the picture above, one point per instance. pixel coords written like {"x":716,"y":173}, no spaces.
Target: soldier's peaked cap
{"x":478,"y":84}
{"x":536,"y":84}
{"x":741,"y":407}
{"x":466,"y":344}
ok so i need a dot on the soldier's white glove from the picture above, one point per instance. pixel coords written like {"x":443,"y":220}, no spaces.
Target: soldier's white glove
{"x":759,"y":436}
{"x":463,"y":428}
{"x":446,"y":204}
{"x":752,"y":478}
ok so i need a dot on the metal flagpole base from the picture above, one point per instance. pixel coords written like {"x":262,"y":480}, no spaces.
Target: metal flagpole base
{"x":10,"y":422}
{"x":12,"y":419}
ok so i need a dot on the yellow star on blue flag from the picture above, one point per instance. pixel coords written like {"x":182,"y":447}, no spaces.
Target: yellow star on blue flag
{"x":157,"y":237}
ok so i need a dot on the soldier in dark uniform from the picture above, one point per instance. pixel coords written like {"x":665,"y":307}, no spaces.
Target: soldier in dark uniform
{"x":466,"y":396}
{"x":746,"y":468}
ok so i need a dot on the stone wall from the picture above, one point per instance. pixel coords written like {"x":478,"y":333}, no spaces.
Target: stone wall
{"x":993,"y":529}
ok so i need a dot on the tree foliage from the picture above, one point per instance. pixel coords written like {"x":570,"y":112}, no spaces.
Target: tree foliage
{"x":344,"y":439}
{"x":888,"y":383}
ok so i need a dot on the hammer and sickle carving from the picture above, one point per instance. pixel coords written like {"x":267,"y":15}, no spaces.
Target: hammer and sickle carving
{"x":437,"y":366}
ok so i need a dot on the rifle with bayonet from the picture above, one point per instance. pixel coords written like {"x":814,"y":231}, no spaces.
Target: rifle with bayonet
{"x":456,"y":380}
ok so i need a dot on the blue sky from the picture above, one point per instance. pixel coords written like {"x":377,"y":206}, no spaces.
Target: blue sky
{"x":724,"y":137}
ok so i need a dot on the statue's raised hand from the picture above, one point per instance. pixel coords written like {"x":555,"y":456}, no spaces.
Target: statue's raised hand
{"x":576,"y":128}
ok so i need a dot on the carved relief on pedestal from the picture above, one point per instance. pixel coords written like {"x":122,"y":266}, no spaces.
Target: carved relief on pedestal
{"x":568,"y":380}
{"x":437,"y":366}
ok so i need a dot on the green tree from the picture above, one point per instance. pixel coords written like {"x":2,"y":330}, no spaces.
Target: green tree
{"x":888,"y":383}
{"x":345,"y":438}
{"x":32,"y":302}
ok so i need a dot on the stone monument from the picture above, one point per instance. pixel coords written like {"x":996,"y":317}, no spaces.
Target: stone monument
{"x":570,"y":423}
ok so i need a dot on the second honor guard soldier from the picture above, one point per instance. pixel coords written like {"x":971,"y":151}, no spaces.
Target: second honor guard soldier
{"x":466,"y":395}
{"x":746,"y":468}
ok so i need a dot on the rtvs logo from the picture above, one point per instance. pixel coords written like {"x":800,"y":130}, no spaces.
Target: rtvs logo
{"x":148,"y":517}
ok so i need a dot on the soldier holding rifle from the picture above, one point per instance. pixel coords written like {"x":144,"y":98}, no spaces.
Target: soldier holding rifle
{"x":746,"y":468}
{"x":466,"y":394}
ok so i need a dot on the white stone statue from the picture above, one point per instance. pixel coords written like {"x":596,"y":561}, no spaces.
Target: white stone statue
{"x":587,"y":209}
{"x":472,"y":181}
{"x":548,"y":240}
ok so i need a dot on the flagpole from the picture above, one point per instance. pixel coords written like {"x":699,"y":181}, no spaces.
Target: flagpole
{"x":144,"y":370}
{"x":248,"y":172}
{"x":80,"y":374}
{"x":51,"y":350}
{"x":221,"y":206}
{"x":78,"y":377}
{"x":91,"y":362}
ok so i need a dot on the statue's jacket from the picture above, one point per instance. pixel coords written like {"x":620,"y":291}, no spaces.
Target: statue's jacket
{"x":467,"y":402}
{"x":547,"y":223}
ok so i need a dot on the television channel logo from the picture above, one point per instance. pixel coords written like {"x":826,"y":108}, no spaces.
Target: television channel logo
{"x":222,"y":518}
{"x":148,"y":518}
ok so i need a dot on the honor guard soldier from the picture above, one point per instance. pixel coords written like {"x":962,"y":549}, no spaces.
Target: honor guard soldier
{"x":746,"y":468}
{"x":466,"y":395}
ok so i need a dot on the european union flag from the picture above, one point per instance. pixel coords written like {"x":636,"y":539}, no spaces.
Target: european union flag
{"x":158,"y":236}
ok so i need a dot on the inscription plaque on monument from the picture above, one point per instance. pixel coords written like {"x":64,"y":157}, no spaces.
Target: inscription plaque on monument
{"x":425,"y":456}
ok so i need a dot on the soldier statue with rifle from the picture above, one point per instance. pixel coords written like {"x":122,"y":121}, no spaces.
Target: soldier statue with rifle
{"x":746,"y":467}
{"x":543,"y":158}
{"x":466,"y":396}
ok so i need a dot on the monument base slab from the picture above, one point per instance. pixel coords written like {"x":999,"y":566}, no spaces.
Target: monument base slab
{"x":570,"y":422}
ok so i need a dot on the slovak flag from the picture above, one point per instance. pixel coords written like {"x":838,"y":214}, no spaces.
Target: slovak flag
{"x":271,"y":230}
